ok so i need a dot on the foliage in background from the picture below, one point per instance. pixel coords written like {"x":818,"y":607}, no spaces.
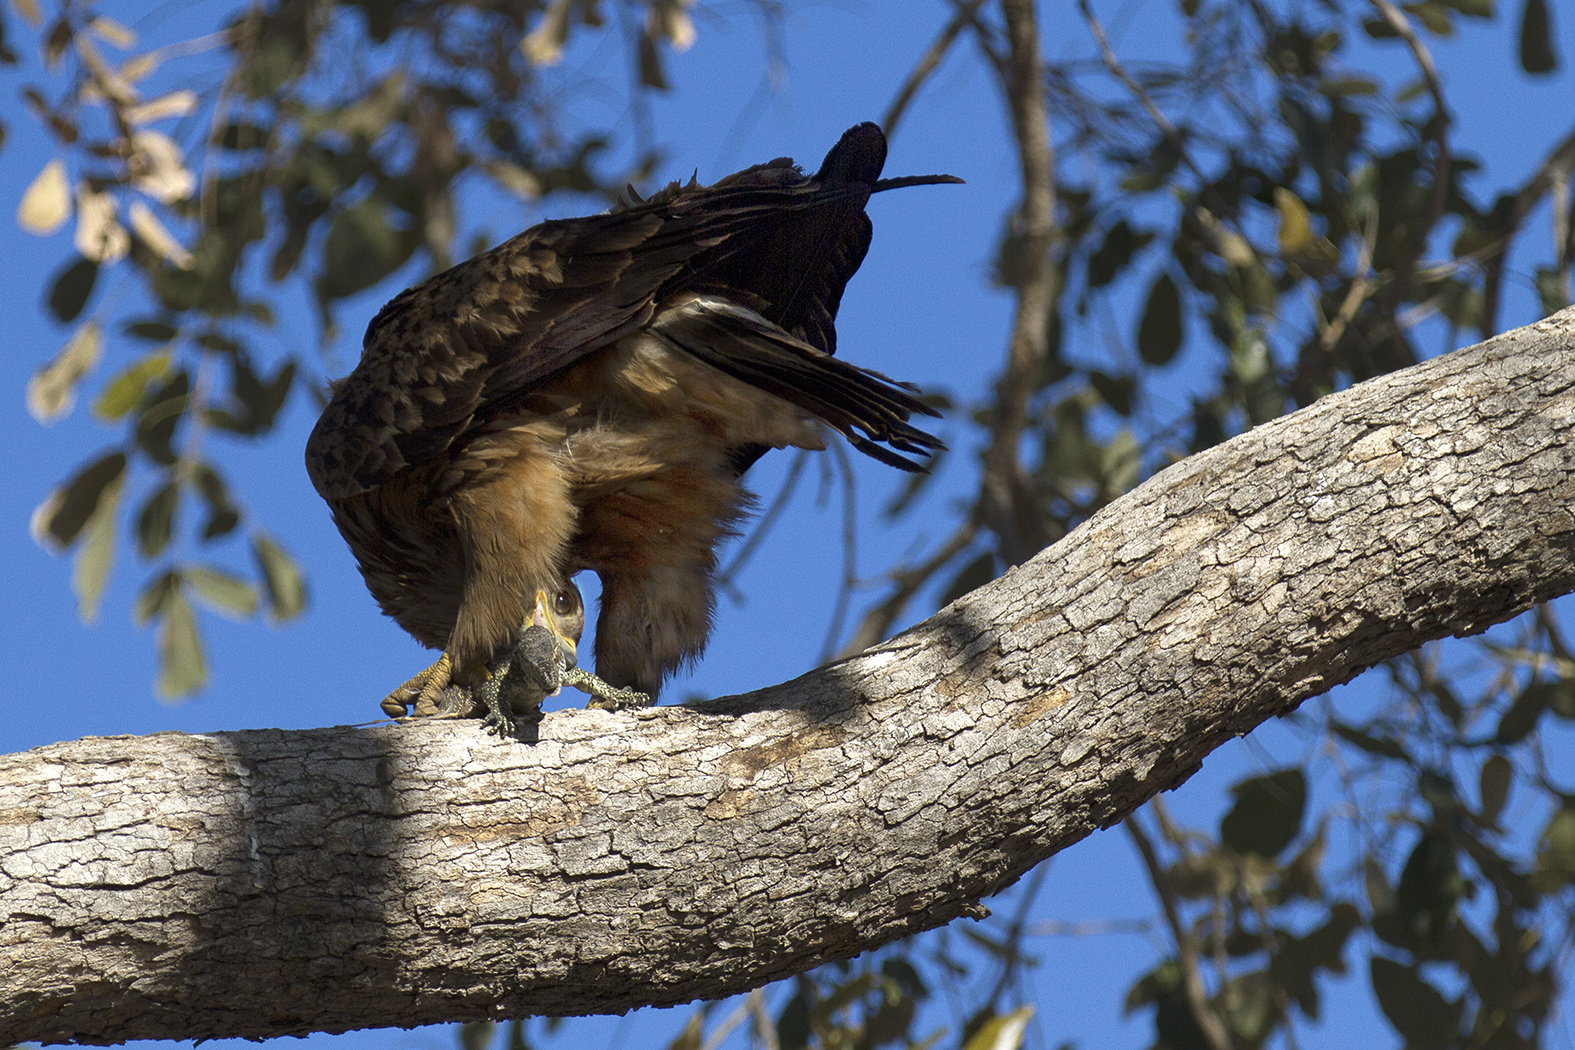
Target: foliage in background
{"x":312,"y":146}
{"x":1288,"y":223}
{"x":1264,"y":218}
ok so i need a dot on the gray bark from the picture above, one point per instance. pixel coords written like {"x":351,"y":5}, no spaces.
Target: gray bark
{"x":262,"y":883}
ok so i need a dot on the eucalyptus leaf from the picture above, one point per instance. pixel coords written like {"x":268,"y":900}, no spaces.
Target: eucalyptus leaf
{"x":1494,"y":782}
{"x":60,"y":519}
{"x":1421,"y":1015}
{"x":156,"y":520}
{"x":282,"y":580}
{"x":1159,"y":331}
{"x":69,"y":292}
{"x":183,"y":668}
{"x":52,"y":389}
{"x":1267,"y":814}
{"x":125,"y":389}
{"x":1537,"y":53}
{"x":220,"y":590}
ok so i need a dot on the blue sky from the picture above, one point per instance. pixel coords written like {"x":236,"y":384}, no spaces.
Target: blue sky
{"x":920,"y":309}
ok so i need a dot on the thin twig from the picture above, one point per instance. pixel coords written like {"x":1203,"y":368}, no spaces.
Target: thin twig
{"x":1092,"y":928}
{"x":877,"y":622}
{"x":752,"y":542}
{"x":1363,"y":284}
{"x":984,"y":35}
{"x":1559,"y":162}
{"x":1012,"y":942}
{"x":1117,"y":70}
{"x":1208,"y":1021}
{"x":765,"y":1027}
{"x":850,"y":551}
{"x":1397,"y":21}
{"x":1006,"y":500}
{"x":927,"y":64}
{"x":1563,"y":229}
{"x":719,"y":1034}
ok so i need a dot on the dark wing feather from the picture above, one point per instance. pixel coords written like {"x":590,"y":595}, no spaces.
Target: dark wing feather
{"x":443,"y":357}
{"x":439,"y":357}
{"x":862,"y":405}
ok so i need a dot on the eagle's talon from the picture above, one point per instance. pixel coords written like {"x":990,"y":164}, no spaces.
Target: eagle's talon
{"x":422,"y":694}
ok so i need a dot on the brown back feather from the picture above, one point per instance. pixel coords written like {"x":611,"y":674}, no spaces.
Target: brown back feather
{"x":444,"y":357}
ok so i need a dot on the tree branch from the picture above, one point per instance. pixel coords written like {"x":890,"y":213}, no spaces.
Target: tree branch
{"x":1203,"y":1015}
{"x":1397,"y":21}
{"x":265,"y":883}
{"x":966,"y":14}
{"x":1006,"y":502}
{"x":1558,"y":164}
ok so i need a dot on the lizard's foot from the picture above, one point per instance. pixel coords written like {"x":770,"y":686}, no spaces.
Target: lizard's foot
{"x":455,"y":701}
{"x":422,"y":691}
{"x":603,"y":696}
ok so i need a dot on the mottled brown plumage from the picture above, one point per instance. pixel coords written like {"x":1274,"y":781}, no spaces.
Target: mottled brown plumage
{"x":586,"y":395}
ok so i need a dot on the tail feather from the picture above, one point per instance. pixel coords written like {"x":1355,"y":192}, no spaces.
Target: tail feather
{"x":867,"y":408}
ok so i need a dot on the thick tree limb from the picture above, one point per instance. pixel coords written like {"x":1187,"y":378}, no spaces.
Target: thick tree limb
{"x":262,"y":883}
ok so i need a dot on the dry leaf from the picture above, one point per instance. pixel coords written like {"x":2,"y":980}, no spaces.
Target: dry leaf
{"x":99,"y":236}
{"x":137,"y":67}
{"x":163,"y":176}
{"x":670,"y":19}
{"x":47,"y":201}
{"x":112,"y":31}
{"x":153,"y":233}
{"x":515,"y":179}
{"x":544,"y":45}
{"x":175,"y":104}
{"x":104,"y":78}
{"x":28,"y":9}
{"x":53,"y":388}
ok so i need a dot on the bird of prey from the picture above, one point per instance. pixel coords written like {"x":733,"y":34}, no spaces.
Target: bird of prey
{"x":587,"y":395}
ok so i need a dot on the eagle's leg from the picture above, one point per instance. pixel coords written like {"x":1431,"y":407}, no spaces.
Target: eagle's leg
{"x":422,"y":692}
{"x":652,"y":622}
{"x":514,"y":525}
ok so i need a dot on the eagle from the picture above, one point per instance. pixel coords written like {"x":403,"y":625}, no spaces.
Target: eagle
{"x":587,"y":396}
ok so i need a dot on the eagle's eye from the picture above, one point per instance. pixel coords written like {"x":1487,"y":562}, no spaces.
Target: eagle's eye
{"x":563,"y":603}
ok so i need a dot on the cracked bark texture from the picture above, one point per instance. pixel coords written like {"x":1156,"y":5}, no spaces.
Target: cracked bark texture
{"x":263,"y":883}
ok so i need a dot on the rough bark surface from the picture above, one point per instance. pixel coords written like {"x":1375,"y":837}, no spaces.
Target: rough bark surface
{"x":263,"y":883}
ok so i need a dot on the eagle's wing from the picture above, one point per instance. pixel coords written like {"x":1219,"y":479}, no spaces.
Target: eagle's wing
{"x":464,"y":347}
{"x":439,"y":355}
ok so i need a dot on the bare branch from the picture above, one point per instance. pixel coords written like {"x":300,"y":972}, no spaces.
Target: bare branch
{"x":967,"y":14}
{"x":1157,"y":115}
{"x":850,"y":551}
{"x":1363,"y":284}
{"x":1006,"y":502}
{"x":1397,"y":21}
{"x":757,"y":534}
{"x":877,"y":623}
{"x":1202,"y":1010}
{"x":267,"y":882}
{"x":1558,"y":164}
